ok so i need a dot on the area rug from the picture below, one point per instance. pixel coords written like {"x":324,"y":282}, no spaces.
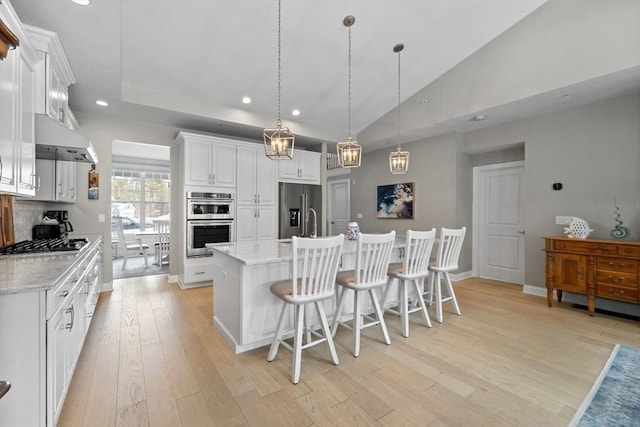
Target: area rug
{"x":614,"y":399}
{"x":136,"y":268}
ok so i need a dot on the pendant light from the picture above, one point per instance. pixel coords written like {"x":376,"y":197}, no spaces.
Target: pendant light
{"x":398,"y":160}
{"x":349,"y":152}
{"x":278,"y":142}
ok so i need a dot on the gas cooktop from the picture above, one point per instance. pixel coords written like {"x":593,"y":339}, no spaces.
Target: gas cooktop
{"x":43,"y":245}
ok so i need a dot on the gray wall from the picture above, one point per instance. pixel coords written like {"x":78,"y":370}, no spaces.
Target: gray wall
{"x":102,"y":130}
{"x":594,"y":150}
{"x":443,"y":189}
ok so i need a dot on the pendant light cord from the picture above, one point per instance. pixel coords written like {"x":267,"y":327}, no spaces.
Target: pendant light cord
{"x":349,"y":126}
{"x":279,"y":57}
{"x":398,"y":99}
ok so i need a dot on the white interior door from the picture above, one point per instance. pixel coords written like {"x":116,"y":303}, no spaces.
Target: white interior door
{"x":499,"y":219}
{"x":338,"y":206}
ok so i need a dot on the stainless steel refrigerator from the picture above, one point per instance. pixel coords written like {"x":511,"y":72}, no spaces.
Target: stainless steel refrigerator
{"x":296,"y":202}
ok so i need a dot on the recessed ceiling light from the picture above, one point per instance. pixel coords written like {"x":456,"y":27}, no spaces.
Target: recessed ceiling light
{"x":102,"y":103}
{"x":82,"y":2}
{"x":478,"y":118}
{"x":246,"y":100}
{"x":296,"y":112}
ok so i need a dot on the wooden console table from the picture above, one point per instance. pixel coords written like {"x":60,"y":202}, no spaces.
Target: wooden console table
{"x":591,"y":267}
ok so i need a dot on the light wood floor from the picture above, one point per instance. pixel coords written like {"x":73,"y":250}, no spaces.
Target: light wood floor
{"x":152,"y":357}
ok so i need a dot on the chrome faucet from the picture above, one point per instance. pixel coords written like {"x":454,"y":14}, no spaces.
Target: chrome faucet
{"x":314,"y":234}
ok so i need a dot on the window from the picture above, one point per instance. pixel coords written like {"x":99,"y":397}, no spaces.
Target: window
{"x":139,"y":197}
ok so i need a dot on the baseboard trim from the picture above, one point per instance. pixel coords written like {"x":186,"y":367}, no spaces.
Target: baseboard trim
{"x":173,"y":278}
{"x":106,"y":287}
{"x":461,"y":276}
{"x":534,"y":290}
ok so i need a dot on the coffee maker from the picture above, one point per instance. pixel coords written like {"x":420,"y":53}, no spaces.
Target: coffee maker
{"x":63,"y":219}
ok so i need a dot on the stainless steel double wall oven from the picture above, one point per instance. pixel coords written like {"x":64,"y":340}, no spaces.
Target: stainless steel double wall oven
{"x":210,"y":219}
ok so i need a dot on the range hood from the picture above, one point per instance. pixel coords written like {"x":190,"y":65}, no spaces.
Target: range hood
{"x":55,"y":141}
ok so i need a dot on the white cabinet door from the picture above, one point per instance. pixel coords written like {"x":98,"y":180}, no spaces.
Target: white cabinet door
{"x":310,"y":167}
{"x":57,"y":358}
{"x":27,"y":145}
{"x":288,"y":169}
{"x":66,"y":181}
{"x":224,"y":165}
{"x":246,"y":223}
{"x":267,"y":222}
{"x":45,"y":180}
{"x":257,"y":177}
{"x":247,"y":172}
{"x":8,"y":112}
{"x":267,"y":179}
{"x":197,"y":162}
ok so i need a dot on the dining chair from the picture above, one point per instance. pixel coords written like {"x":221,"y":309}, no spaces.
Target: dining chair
{"x":446,"y":261}
{"x":130,"y":244}
{"x":369,"y":275}
{"x":314,"y":266}
{"x":161,"y":245}
{"x":411,"y":273}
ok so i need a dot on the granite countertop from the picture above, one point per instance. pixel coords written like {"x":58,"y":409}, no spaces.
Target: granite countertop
{"x":36,"y":272}
{"x":273,"y":251}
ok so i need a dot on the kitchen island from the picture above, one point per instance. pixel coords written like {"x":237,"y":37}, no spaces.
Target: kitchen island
{"x":244,"y":310}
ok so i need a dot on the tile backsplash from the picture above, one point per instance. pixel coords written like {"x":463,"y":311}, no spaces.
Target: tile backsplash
{"x":26,"y":214}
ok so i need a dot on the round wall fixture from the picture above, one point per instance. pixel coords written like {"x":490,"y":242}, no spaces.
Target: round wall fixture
{"x":557,"y":186}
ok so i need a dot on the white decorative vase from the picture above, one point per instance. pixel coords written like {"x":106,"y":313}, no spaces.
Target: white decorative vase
{"x":353,"y":230}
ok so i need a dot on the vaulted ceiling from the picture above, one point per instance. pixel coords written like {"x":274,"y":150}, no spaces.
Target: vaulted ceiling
{"x":189,"y":63}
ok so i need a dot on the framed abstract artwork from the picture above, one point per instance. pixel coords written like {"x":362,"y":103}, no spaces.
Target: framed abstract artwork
{"x":395,"y":201}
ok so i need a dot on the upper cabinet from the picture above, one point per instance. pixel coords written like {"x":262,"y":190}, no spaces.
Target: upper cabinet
{"x":303,"y":168}
{"x":257,"y":177}
{"x":208,"y":160}
{"x":17,"y":143}
{"x":53,"y":77}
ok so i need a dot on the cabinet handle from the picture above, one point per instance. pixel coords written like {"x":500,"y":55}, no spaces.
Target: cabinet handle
{"x":616,"y":291}
{"x":561,"y":245}
{"x":213,"y":177}
{"x":61,"y":115}
{"x":603,"y":249}
{"x":627,"y":250}
{"x":198,"y":272}
{"x":614,"y":265}
{"x":69,"y":326}
{"x":616,"y":280}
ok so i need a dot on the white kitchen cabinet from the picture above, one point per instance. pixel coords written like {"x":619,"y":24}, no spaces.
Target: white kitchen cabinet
{"x":53,"y":76}
{"x":256,"y":222}
{"x":303,"y":168}
{"x":55,"y":181}
{"x":66,"y":181}
{"x":208,"y":160}
{"x":17,"y":144}
{"x":257,"y":181}
{"x":42,"y":333}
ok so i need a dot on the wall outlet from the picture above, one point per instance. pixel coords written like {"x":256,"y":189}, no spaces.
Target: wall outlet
{"x":563,"y":220}
{"x":101,"y":218}
{"x":359,"y":215}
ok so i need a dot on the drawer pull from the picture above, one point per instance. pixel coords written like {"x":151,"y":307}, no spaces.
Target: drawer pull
{"x":198,"y":272}
{"x":561,"y":245}
{"x":614,"y":265}
{"x":616,"y":279}
{"x":603,"y":249}
{"x":618,"y":292}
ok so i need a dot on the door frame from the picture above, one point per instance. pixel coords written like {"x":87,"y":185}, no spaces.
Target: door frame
{"x":330,"y":190}
{"x":477,"y":171}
